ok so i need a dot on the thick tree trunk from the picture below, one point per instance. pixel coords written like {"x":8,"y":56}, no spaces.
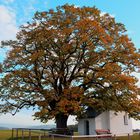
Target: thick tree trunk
{"x":61,"y":121}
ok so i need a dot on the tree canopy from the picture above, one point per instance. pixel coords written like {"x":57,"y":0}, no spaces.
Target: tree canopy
{"x":67,"y":60}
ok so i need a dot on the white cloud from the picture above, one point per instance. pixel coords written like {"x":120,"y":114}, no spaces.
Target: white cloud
{"x":22,"y":118}
{"x":8,"y":27}
{"x":135,"y":124}
{"x":9,"y":1}
{"x":137,"y":75}
{"x":103,"y":13}
{"x":25,"y":119}
{"x":72,"y":120}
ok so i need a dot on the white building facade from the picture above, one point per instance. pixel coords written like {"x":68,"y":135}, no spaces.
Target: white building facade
{"x":119,"y":124}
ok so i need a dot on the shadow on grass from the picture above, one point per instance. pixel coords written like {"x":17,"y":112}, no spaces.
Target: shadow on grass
{"x":11,"y":139}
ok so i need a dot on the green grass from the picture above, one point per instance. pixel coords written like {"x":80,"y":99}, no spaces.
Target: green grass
{"x":6,"y":135}
{"x":134,"y":137}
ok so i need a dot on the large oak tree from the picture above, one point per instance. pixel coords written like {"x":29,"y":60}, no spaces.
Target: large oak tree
{"x":67,"y":60}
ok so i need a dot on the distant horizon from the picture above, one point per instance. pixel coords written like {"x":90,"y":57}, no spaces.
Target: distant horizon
{"x":10,"y":126}
{"x":26,"y":120}
{"x":42,"y":126}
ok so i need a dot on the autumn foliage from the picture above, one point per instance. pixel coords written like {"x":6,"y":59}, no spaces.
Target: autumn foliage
{"x":67,"y":60}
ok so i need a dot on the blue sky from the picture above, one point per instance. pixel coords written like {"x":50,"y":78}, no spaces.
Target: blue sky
{"x":14,"y":13}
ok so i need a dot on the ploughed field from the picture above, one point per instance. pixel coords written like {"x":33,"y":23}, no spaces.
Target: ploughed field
{"x":36,"y":135}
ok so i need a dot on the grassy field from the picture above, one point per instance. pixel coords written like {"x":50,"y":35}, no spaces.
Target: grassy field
{"x":134,"y":137}
{"x":6,"y":135}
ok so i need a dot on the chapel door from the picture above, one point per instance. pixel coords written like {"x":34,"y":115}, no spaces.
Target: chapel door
{"x":86,"y":127}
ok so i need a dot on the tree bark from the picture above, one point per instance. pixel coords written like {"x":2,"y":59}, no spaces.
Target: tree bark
{"x":61,"y":121}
